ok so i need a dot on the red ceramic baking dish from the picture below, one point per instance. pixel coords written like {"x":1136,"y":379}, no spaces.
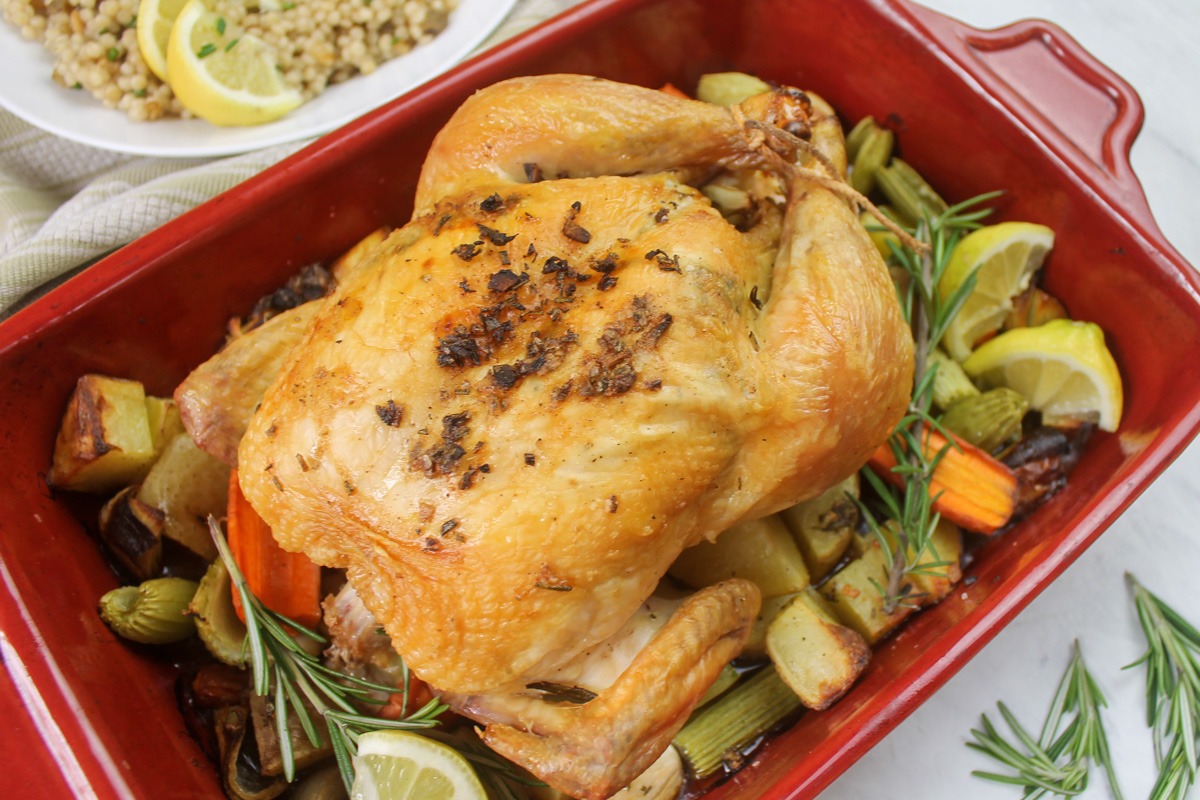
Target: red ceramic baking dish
{"x":1023,"y":109}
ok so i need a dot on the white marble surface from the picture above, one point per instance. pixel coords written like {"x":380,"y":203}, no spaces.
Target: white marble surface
{"x":1153,"y":46}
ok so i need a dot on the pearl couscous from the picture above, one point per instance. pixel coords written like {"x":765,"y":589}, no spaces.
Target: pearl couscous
{"x":319,"y":42}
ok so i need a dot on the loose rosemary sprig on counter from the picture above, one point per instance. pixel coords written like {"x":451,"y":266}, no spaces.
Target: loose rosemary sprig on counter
{"x":286,"y":672}
{"x":1058,"y":761}
{"x":1172,"y":692}
{"x":928,"y":315}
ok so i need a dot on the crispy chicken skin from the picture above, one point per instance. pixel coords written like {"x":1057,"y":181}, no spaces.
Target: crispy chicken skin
{"x":218,"y":398}
{"x":514,"y":413}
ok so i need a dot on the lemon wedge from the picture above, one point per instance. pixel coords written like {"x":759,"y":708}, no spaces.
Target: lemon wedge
{"x":399,"y":765}
{"x":1062,"y":368}
{"x":154,"y":21}
{"x":1003,"y":258}
{"x":222,"y":75}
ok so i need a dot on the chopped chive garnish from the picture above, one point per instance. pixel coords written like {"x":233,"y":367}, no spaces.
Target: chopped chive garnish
{"x":206,"y":51}
{"x":221,"y":25}
{"x":113,"y":53}
{"x":139,"y":92}
{"x":288,"y":6}
{"x":229,"y":46}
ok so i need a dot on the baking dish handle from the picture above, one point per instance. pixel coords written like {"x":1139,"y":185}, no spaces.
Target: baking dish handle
{"x":1082,"y":109}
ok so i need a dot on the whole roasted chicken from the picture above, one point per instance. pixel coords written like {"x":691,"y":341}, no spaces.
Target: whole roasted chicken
{"x":515,"y":411}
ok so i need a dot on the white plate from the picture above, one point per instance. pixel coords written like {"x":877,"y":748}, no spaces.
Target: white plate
{"x":28,"y":91}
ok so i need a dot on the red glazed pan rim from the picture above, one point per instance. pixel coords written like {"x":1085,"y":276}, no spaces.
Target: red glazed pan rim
{"x":1095,"y":152}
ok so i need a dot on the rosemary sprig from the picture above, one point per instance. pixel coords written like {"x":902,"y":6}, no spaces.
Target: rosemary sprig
{"x":298,"y":681}
{"x":1172,"y":692}
{"x":497,"y":774}
{"x":911,"y":506}
{"x":1058,"y":761}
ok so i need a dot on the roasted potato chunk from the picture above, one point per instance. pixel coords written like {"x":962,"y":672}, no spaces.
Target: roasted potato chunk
{"x":756,"y":645}
{"x":187,"y":485}
{"x":938,"y":569}
{"x":818,"y":658}
{"x":761,"y":551}
{"x":824,"y":525}
{"x":162,"y":415}
{"x":855,"y":596}
{"x":104,"y":442}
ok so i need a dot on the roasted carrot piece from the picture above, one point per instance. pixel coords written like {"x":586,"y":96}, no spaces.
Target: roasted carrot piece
{"x":973,"y":490}
{"x":401,"y":704}
{"x":670,"y":88}
{"x":287,"y":583}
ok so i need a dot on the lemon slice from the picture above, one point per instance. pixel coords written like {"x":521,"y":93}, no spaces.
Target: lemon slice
{"x":1062,"y":368}
{"x":154,"y":21}
{"x":222,"y":75}
{"x":399,"y":765}
{"x":1004,"y":258}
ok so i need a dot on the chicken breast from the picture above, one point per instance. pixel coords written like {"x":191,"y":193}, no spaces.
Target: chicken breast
{"x":514,"y":412}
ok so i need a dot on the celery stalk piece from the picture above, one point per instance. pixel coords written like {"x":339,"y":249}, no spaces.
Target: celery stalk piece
{"x":734,"y":720}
